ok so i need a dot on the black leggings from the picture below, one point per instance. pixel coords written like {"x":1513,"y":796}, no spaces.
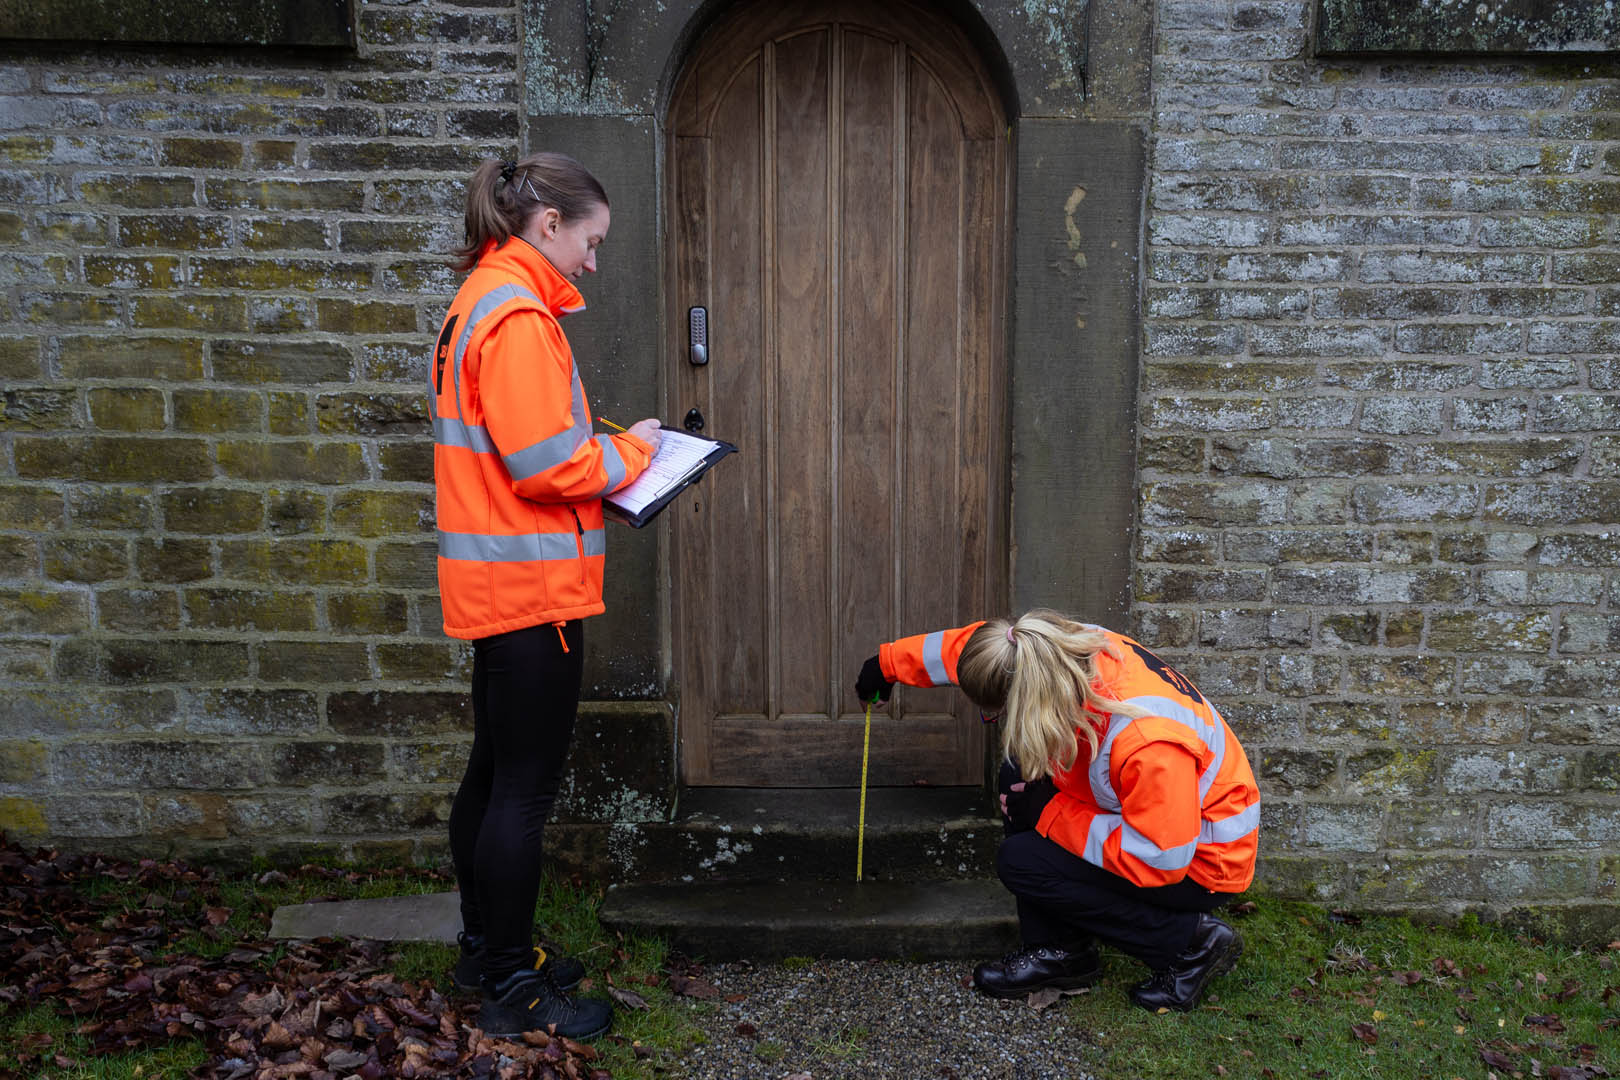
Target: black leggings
{"x":1065,"y":901}
{"x":525,"y":694}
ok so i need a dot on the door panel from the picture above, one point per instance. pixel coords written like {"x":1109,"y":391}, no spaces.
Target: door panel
{"x":836,"y":200}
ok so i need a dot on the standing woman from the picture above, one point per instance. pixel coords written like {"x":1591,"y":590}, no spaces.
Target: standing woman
{"x":1132,"y":813}
{"x":519,"y":479}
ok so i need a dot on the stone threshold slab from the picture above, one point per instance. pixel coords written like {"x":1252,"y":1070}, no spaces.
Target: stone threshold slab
{"x":434,"y":917}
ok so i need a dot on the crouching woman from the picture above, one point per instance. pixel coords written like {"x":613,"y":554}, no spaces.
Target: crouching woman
{"x":1131,"y":811}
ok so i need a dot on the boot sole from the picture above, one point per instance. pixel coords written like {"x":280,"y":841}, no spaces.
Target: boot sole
{"x":1070,"y":982}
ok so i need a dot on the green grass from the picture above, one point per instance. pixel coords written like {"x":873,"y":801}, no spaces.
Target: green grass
{"x":1316,"y":995}
{"x":1432,"y":1000}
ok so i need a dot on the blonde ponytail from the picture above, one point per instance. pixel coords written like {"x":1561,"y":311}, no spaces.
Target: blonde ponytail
{"x":1039,"y":671}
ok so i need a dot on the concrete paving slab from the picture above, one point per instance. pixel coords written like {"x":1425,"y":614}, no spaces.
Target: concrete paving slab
{"x":421,"y":917}
{"x":770,"y":920}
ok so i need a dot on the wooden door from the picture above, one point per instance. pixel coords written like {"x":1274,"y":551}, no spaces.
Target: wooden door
{"x":836,"y":200}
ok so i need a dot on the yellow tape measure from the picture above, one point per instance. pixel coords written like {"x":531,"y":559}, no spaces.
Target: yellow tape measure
{"x":860,"y":832}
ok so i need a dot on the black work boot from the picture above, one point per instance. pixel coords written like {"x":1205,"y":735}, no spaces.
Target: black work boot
{"x":1215,"y":949}
{"x":531,"y":1001}
{"x":566,"y":971}
{"x":1035,"y":967}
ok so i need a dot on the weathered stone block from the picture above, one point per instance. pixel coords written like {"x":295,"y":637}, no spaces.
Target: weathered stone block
{"x":19,"y":358}
{"x":281,"y":362}
{"x":1552,"y":825}
{"x":42,"y":611}
{"x":1299,"y":675}
{"x":148,"y":764}
{"x":313,"y":662}
{"x":212,"y":510}
{"x":408,"y":566}
{"x":1167,"y":586}
{"x":213,"y":411}
{"x":346,"y":195}
{"x":398,"y":714}
{"x":40,"y":410}
{"x":1172,"y":453}
{"x":22,"y":762}
{"x":1442,"y":722}
{"x":423,"y":662}
{"x":172,"y":660}
{"x":1166,"y":628}
{"x":1460,"y":339}
{"x":290,"y":413}
{"x":368,"y":612}
{"x":611,"y":777}
{"x":1315,"y":413}
{"x":125,"y":409}
{"x":1413,"y":879}
{"x":1387,"y":303}
{"x":1414,"y":502}
{"x":386,"y":814}
{"x":1405,"y":676}
{"x":282,"y":462}
{"x":135,"y":611}
{"x":85,"y":558}
{"x":173,"y":561}
{"x":1317,"y":879}
{"x":1227,"y":376}
{"x":1489,"y":414}
{"x":253,"y":712}
{"x":113,"y":458}
{"x":383,"y":513}
{"x":244,"y":609}
{"x":1341,"y":827}
{"x":1350,"y":629}
{"x":340,"y":764}
{"x":1288,"y":771}
{"x":1338,"y":719}
{"x":1385,"y":773}
{"x":179,"y":232}
{"x":1586,"y":722}
{"x":96,"y":817}
{"x":1569,"y":502}
{"x":1530,"y":772}
{"x":1491,"y":631}
{"x":1287,"y":459}
{"x":153,"y":272}
{"x":1601,"y":772}
{"x":1425,"y":825}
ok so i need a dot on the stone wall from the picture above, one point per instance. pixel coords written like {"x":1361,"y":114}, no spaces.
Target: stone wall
{"x":220,"y":275}
{"x":1380,"y":464}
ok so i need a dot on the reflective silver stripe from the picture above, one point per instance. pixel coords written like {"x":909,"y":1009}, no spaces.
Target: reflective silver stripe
{"x":1212,"y":735}
{"x":451,"y":432}
{"x":1232,"y":828}
{"x":530,"y":547}
{"x":482,"y":310}
{"x":1140,"y":847}
{"x":595,"y":542}
{"x":933,"y":654}
{"x":545,"y":454}
{"x":612,"y":461}
{"x":1102,"y":788}
{"x":1097,"y":833}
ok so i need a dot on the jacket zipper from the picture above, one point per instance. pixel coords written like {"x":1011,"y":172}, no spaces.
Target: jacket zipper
{"x":579,"y":542}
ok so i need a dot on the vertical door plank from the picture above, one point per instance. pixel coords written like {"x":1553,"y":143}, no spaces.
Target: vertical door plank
{"x":739,"y":494}
{"x":932,"y":383}
{"x":692,"y":567}
{"x":803,"y":224}
{"x":869,"y":353}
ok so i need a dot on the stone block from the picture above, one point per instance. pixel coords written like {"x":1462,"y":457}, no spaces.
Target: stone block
{"x":1601,"y":772}
{"x":113,"y":459}
{"x":1299,"y":675}
{"x":1414,"y":502}
{"x":1419,"y":878}
{"x":1348,"y":629}
{"x":19,"y":358}
{"x":1508,"y":302}
{"x":1291,"y":771}
{"x":621,"y":765}
{"x":383,"y":513}
{"x":1460,"y":722}
{"x":1524,"y":772}
{"x":187,"y":232}
{"x":1577,"y":412}
{"x":420,"y":662}
{"x":1491,"y":631}
{"x":1221,"y":677}
{"x":212,"y":510}
{"x":408,"y":566}
{"x":1516,"y":457}
{"x":428,"y":762}
{"x":1430,"y":824}
{"x":216,"y":411}
{"x":1406,"y":676}
{"x":125,"y":409}
{"x":1287,"y":459}
{"x":1403,"y":415}
{"x":1315,"y":414}
{"x":1341,"y":827}
{"x":173,"y":561}
{"x":1460,"y":339}
{"x":1426,"y":268}
{"x":1168,"y":628}
{"x":136,"y":611}
{"x":1544,"y":825}
{"x":1195,"y":546}
{"x":172,"y":660}
{"x":1390,"y":773}
{"x":398,"y":714}
{"x":294,"y":561}
{"x":43,"y":611}
{"x":1340,"y":719}
{"x":1166,"y":586}
{"x":1311,"y":878}
{"x":101,"y":765}
{"x":252,"y":712}
{"x":299,"y":363}
{"x":1597,"y":678}
{"x":1489,"y":414}
{"x":1582,"y":722}
{"x":29,"y":409}
{"x":1191,"y":339}
{"x":367,"y":612}
{"x":283,"y":462}
{"x":1175,"y":453}
{"x":346,"y":815}
{"x":340,"y":195}
{"x":22,"y":762}
{"x":1227,"y":376}
{"x":409,"y":461}
{"x":1568,"y":502}
{"x":293,"y":512}
{"x":1274,"y":546}
{"x":95,"y":817}
{"x":313,"y":662}
{"x":1504,"y":675}
{"x":284,"y":234}
{"x":326,"y":764}
{"x":290,"y":413}
{"x":248,"y":609}
{"x":1387,"y":303}
{"x":1186,"y":503}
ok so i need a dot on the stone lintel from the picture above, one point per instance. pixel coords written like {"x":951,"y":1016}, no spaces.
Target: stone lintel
{"x":1471,"y":27}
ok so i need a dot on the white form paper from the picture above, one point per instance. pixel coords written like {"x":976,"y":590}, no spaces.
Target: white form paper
{"x":678,"y":454}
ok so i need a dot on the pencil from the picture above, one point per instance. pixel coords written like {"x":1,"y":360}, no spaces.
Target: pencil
{"x":611,"y":424}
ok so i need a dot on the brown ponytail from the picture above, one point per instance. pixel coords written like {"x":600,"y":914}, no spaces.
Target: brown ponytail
{"x":503,"y":195}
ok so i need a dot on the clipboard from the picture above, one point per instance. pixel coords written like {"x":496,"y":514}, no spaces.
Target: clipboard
{"x":681,"y":460}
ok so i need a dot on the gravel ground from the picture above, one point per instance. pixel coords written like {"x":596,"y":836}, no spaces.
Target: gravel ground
{"x":880,"y":1020}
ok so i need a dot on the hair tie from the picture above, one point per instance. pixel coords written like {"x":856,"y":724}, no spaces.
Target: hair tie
{"x":1010,"y":640}
{"x":508,"y":168}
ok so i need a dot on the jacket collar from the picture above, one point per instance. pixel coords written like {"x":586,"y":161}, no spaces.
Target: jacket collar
{"x":520,"y":259}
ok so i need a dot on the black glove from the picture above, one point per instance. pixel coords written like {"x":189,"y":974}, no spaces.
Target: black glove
{"x":1024,"y":807}
{"x":871,"y":682}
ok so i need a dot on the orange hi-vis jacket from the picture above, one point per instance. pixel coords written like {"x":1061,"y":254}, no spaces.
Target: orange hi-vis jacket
{"x":519,"y":476}
{"x":1169,"y":795}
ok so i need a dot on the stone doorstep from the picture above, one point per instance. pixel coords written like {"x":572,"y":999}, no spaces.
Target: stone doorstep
{"x":421,"y":917}
{"x":848,"y":920}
